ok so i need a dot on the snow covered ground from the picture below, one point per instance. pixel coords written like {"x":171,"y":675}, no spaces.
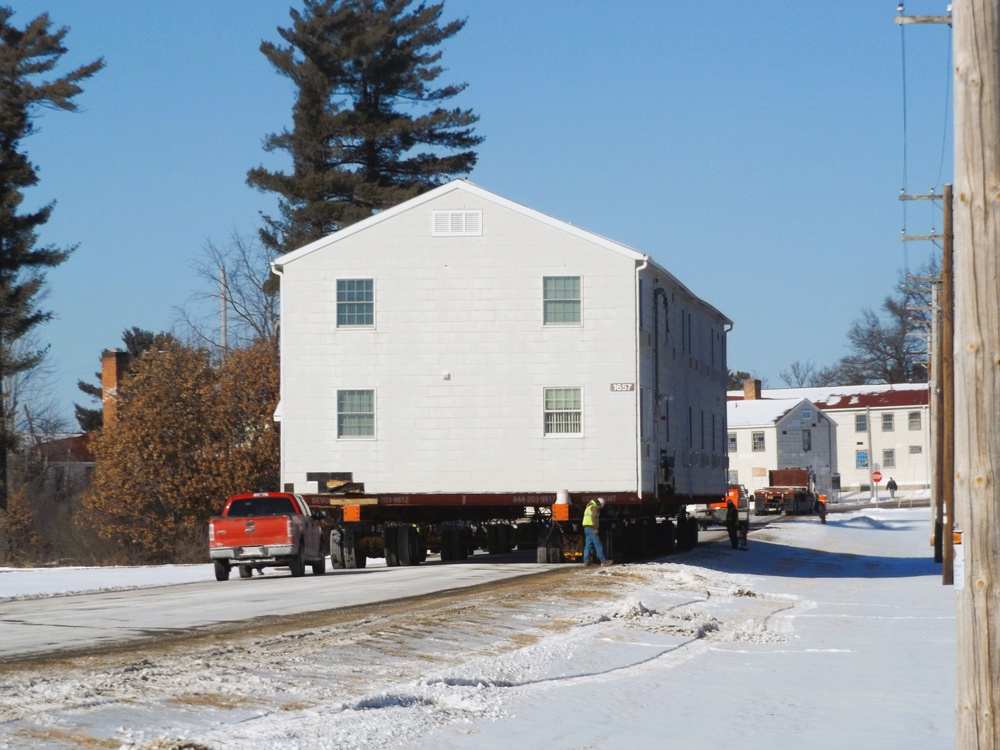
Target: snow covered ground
{"x":819,"y":636}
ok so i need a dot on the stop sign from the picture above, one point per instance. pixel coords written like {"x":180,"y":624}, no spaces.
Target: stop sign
{"x":876,"y":476}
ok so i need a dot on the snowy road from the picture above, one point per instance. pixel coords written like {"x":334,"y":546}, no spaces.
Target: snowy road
{"x":33,"y":627}
{"x":820,"y":637}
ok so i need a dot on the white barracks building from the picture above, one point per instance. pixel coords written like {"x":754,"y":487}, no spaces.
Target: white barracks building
{"x":463,"y":343}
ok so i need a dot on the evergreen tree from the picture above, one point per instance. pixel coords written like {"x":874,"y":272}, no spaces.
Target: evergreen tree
{"x":27,"y":58}
{"x":362,"y":68}
{"x":137,"y":341}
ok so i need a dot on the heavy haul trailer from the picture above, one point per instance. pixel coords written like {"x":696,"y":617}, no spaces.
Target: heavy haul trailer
{"x":404,"y":528}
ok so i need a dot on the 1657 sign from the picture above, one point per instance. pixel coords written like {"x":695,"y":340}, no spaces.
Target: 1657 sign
{"x":622,"y":387}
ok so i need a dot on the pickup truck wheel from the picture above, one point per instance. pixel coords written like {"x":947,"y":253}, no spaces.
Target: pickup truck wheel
{"x":245,"y":571}
{"x":319,"y":566}
{"x":221,"y":570}
{"x":298,"y":563}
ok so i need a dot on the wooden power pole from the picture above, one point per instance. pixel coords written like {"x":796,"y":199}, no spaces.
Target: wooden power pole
{"x":977,"y":369}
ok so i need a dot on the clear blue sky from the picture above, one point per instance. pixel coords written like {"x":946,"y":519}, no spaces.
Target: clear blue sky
{"x":753,"y":149}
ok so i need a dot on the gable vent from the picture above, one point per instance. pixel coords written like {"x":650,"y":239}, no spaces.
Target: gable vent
{"x":458,"y":223}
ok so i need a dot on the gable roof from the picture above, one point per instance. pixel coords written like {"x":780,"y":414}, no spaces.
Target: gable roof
{"x":279,"y":263}
{"x":760,"y":412}
{"x":842,"y":397}
{"x":449,"y":187}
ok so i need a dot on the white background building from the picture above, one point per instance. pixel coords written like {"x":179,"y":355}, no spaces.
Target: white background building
{"x":884,"y":427}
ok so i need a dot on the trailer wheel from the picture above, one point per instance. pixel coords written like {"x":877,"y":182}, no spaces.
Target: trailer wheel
{"x":407,"y":542}
{"x":221,"y":570}
{"x":298,"y":563}
{"x":445,"y":539}
{"x":390,"y":539}
{"x":245,"y":571}
{"x":669,"y":535}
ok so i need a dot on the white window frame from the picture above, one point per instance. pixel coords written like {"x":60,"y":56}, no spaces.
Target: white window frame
{"x":343,"y":414}
{"x":861,"y":423}
{"x":553,"y":412}
{"x":915,"y":449}
{"x":342,"y":304}
{"x":914,"y":420}
{"x":555,"y":300}
{"x":733,"y":443}
{"x":806,"y":415}
{"x":888,"y":422}
{"x":457,"y":223}
{"x":889,"y":458}
{"x":758,"y":442}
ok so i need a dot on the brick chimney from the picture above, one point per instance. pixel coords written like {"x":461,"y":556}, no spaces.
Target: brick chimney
{"x":751,"y":390}
{"x":113,"y":364}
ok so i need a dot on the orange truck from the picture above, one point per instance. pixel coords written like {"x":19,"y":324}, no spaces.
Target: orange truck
{"x":789,"y":492}
{"x":716,"y":512}
{"x":266,"y":529}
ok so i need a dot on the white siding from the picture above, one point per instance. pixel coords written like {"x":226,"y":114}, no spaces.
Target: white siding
{"x":459,"y":359}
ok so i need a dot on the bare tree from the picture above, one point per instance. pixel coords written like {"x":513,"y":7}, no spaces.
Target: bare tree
{"x":799,"y":374}
{"x":239,"y":272}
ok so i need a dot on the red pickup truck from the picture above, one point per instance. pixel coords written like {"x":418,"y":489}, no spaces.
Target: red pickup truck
{"x":266,"y":529}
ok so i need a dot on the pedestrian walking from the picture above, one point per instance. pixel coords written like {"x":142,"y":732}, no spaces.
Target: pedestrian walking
{"x":591,"y":527}
{"x":732,"y":523}
{"x":892,"y":487}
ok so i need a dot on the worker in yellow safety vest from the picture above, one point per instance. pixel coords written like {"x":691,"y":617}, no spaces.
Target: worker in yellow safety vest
{"x":591,"y":526}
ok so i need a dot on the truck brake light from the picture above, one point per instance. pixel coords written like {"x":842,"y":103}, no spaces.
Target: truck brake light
{"x":288,"y":526}
{"x":211,"y":531}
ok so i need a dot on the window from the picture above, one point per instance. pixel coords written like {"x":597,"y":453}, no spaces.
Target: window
{"x":355,"y":414}
{"x":807,"y":441}
{"x":563,"y":411}
{"x":888,"y":459}
{"x":757,"y":441}
{"x":888,"y":422}
{"x":914,"y":420}
{"x":458,"y":223}
{"x":355,"y":303}
{"x":916,"y":449}
{"x":806,"y":415}
{"x":561,"y":300}
{"x":732,"y":442}
{"x":861,"y":423}
{"x":861,"y":459}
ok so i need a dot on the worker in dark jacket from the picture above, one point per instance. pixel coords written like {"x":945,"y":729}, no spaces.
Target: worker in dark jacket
{"x":732,"y":523}
{"x":591,"y":526}
{"x":892,"y":487}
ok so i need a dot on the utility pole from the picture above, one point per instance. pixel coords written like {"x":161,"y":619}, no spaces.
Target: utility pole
{"x":977,"y":368}
{"x":223,"y":322}
{"x":947,"y":374}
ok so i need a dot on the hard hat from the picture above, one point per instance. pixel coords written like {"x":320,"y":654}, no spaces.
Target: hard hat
{"x":600,"y":501}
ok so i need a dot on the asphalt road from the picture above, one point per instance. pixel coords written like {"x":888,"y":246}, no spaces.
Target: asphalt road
{"x":73,"y":623}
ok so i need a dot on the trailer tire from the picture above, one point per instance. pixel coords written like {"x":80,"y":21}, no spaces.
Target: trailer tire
{"x":221,"y":570}
{"x":245,"y":571}
{"x":406,"y":545}
{"x":390,"y":539}
{"x":669,"y":532}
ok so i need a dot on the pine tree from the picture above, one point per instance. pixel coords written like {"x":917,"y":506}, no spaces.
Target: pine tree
{"x":27,"y":57}
{"x":369,"y":127}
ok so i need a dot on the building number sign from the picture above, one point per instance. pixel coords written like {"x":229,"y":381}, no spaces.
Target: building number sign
{"x":622,"y":387}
